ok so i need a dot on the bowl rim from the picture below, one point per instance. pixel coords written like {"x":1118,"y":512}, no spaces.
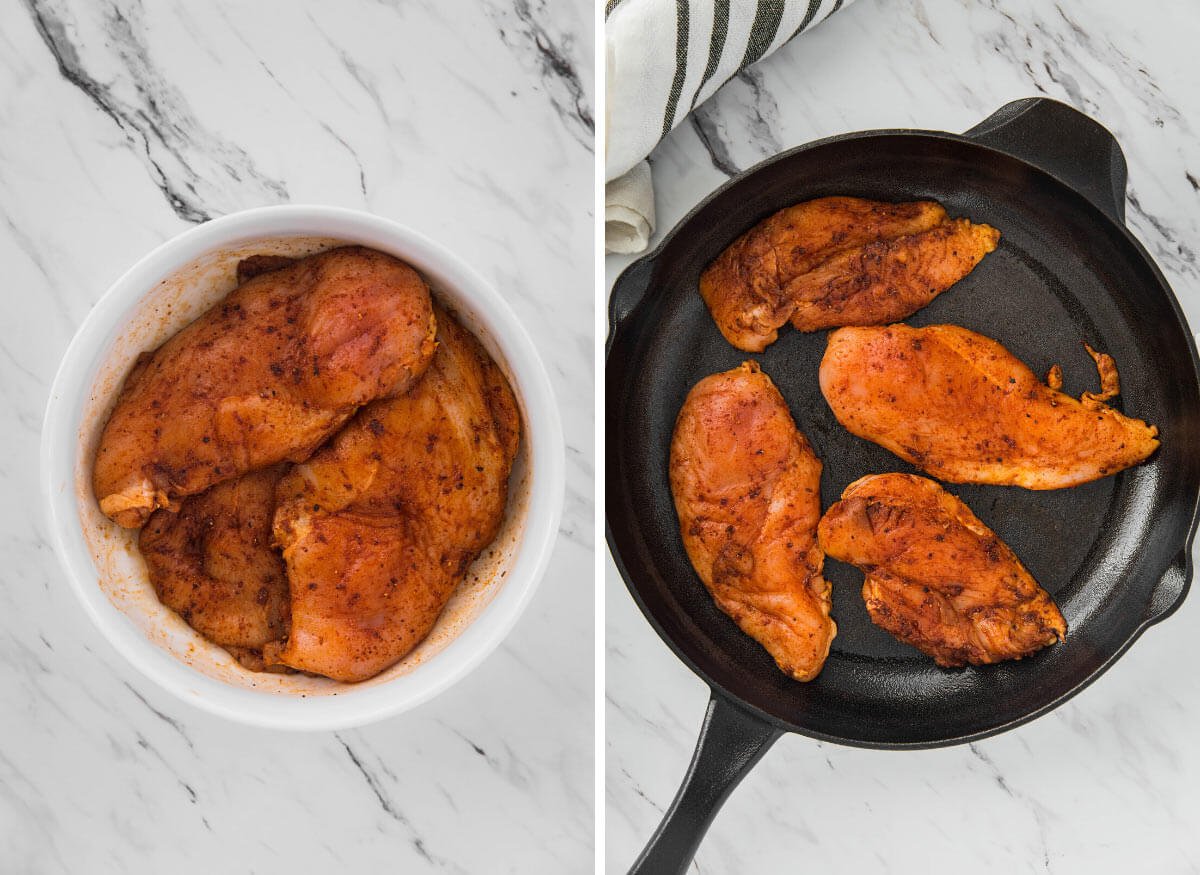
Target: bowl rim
{"x":355,"y":706}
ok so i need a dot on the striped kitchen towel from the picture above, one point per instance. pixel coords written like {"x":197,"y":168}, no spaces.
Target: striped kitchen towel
{"x":663,"y":59}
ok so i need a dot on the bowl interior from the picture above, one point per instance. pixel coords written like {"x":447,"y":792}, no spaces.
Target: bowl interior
{"x":176,"y":299}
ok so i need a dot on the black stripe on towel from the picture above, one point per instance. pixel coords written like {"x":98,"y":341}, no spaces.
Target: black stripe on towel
{"x":814,"y":6}
{"x":682,"y":22}
{"x":716,"y":45}
{"x":762,"y":32}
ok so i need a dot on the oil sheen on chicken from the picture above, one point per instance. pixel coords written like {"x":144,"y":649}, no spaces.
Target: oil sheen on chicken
{"x":746,"y":485}
{"x":935,"y":576}
{"x":381,"y":525}
{"x":212,"y":562}
{"x":264,"y":376}
{"x":838,"y":261}
{"x":964,"y":409}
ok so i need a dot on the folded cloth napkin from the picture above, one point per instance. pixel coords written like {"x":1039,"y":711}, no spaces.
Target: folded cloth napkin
{"x":629,"y":211}
{"x":663,"y":59}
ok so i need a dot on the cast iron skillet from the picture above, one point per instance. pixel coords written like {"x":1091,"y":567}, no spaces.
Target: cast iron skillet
{"x":1115,"y":554}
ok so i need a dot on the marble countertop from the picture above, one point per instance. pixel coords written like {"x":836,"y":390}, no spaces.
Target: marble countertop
{"x":123,"y":123}
{"x":1111,"y":781}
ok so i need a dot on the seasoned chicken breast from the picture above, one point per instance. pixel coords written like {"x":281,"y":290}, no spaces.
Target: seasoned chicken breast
{"x":964,"y":409}
{"x":889,"y":279}
{"x":212,"y":562}
{"x":265,"y":376}
{"x":380,"y":526}
{"x":838,"y":261}
{"x":746,"y":485}
{"x":936,"y":577}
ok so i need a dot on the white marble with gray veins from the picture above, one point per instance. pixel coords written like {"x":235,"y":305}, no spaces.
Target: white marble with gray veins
{"x":121,"y":124}
{"x":1111,"y":781}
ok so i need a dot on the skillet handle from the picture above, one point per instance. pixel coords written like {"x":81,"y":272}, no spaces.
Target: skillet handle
{"x":732,"y":741}
{"x":1065,"y":143}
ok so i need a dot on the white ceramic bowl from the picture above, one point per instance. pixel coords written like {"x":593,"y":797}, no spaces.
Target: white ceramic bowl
{"x":168,"y":289}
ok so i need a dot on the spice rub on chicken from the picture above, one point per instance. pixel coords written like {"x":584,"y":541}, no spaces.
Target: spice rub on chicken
{"x":839,"y":261}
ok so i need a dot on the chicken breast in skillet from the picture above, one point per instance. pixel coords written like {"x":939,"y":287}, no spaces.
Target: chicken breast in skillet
{"x":746,"y":486}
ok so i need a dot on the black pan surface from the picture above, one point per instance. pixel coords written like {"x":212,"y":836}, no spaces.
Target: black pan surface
{"x":1114,"y":554}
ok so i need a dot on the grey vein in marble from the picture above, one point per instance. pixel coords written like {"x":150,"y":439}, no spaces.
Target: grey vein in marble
{"x":150,"y":111}
{"x":524,"y":26}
